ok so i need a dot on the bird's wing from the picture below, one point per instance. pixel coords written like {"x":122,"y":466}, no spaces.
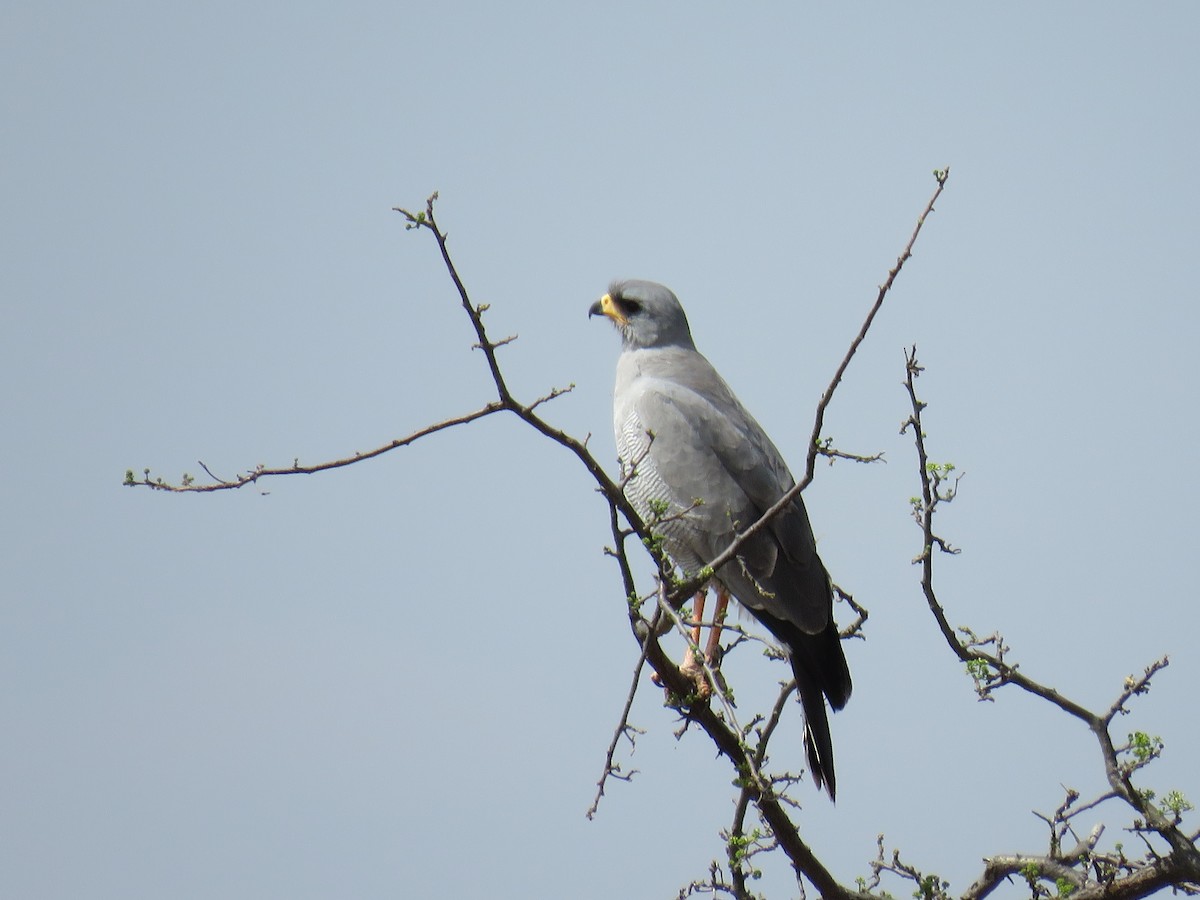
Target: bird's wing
{"x":706,"y":447}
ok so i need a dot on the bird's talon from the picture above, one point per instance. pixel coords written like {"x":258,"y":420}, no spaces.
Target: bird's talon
{"x":693,"y":670}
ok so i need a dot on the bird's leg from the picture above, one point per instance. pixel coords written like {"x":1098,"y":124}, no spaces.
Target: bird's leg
{"x":712,"y":650}
{"x":691,"y":666}
{"x":698,"y":616}
{"x":714,"y":636}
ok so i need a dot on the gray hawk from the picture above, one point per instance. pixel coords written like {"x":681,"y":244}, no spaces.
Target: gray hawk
{"x":702,"y":469}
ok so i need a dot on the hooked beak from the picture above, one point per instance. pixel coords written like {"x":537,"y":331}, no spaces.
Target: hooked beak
{"x":606,"y":307}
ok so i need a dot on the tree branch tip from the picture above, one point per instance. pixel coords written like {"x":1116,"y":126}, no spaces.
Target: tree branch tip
{"x":760,"y":787}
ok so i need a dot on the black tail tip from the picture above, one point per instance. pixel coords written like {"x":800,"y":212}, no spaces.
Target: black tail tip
{"x":822,"y":770}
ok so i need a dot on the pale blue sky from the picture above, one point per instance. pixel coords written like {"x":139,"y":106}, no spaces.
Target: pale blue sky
{"x":398,"y":679}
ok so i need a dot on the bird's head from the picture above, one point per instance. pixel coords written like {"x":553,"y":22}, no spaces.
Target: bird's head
{"x":647,"y":315}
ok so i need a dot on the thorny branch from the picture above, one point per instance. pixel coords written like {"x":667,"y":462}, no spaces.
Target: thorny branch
{"x":1083,"y":870}
{"x":188,"y":484}
{"x":767,"y":793}
{"x":815,"y":442}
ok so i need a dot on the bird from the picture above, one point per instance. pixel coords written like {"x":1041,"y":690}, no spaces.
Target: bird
{"x":698,"y":469}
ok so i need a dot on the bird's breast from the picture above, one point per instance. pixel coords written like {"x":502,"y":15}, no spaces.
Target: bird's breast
{"x":652,"y":497}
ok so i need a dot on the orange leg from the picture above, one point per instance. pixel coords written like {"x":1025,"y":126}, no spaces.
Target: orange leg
{"x":714,"y":636}
{"x":698,"y":615}
{"x":691,"y":666}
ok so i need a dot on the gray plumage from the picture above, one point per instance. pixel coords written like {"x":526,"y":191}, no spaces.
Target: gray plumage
{"x":692,"y":445}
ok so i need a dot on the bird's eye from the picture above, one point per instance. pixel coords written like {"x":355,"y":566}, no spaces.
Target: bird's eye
{"x":629,"y":307}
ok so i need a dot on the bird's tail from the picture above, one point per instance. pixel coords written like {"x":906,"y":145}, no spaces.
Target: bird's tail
{"x":821,"y":672}
{"x":818,"y":743}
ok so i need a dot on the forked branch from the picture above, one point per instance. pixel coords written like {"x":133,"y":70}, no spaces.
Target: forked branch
{"x":1082,"y":871}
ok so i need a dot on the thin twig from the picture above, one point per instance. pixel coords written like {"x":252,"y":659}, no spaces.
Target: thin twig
{"x":1182,"y":865}
{"x":296,"y":469}
{"x":693,"y":584}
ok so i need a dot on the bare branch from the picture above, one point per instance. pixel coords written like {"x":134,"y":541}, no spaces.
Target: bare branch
{"x":825,"y":448}
{"x":187,"y":485}
{"x":990,"y":670}
{"x":693,"y":584}
{"x":623,"y":730}
{"x":855,"y":628}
